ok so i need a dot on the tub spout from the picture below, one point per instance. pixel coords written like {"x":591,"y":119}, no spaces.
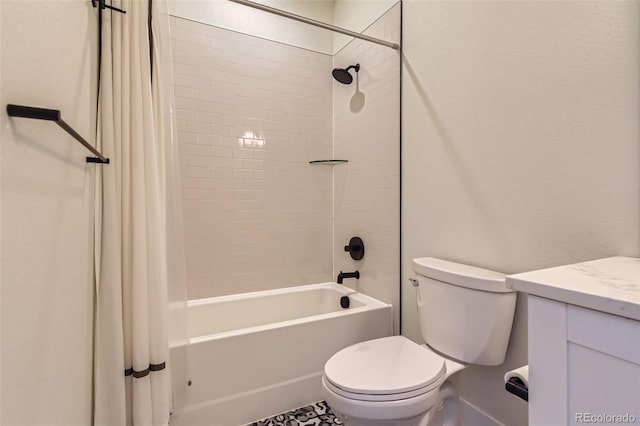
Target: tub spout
{"x":343,"y":275}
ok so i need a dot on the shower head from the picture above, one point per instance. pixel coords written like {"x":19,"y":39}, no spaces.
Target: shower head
{"x":343,"y":75}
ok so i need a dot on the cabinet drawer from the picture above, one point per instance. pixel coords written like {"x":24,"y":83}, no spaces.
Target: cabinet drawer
{"x":610,"y":334}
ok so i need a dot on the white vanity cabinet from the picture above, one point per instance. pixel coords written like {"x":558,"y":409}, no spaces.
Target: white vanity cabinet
{"x":582,"y":363}
{"x":584,"y":342}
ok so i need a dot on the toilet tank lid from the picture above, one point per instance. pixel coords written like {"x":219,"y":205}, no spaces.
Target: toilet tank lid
{"x":461,"y":275}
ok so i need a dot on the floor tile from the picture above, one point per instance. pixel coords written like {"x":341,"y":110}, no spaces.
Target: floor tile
{"x":318,"y":414}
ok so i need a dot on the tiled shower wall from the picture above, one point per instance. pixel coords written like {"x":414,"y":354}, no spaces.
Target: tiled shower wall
{"x":367,"y":189}
{"x":251,"y":115}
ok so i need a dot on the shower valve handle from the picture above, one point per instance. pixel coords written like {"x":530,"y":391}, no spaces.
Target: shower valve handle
{"x":355,"y":248}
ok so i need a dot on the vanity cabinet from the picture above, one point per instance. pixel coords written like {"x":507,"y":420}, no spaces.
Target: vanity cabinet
{"x":584,"y":365}
{"x":584,"y":342}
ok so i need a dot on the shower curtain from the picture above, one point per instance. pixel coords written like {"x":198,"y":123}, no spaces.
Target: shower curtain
{"x":134,"y":200}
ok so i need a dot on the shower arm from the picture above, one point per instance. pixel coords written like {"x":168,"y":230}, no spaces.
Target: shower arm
{"x":313,"y":22}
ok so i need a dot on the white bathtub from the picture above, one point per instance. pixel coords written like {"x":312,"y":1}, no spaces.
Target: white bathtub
{"x":258,"y":354}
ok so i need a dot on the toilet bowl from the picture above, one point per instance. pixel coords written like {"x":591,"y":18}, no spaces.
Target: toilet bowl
{"x":389,"y":382}
{"x":465,"y":314}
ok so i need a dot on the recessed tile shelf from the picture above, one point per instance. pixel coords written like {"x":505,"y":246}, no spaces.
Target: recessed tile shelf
{"x":328,"y":162}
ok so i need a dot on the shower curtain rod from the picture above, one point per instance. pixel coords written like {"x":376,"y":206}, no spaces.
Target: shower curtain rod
{"x":309,"y":21}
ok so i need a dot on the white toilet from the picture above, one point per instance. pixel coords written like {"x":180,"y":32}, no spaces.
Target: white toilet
{"x":465,"y":315}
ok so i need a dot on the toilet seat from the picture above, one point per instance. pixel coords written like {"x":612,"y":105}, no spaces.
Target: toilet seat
{"x":387,"y":369}
{"x":359,"y":396}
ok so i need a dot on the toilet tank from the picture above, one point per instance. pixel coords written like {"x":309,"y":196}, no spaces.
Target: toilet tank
{"x":465,"y":312}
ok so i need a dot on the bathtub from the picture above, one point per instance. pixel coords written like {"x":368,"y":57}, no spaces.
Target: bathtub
{"x":258,"y":354}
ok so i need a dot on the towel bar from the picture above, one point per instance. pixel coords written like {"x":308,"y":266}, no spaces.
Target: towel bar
{"x":55,"y":116}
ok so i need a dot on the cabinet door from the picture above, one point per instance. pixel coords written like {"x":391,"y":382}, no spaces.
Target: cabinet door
{"x":604,"y":368}
{"x":602,"y":385}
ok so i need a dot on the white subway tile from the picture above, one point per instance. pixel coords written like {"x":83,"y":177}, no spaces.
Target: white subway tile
{"x":198,"y":172}
{"x":198,"y":38}
{"x":180,"y":57}
{"x":232,"y":163}
{"x":184,"y":46}
{"x":188,"y":160}
{"x":210,"y":183}
{"x":210,"y":162}
{"x":243,"y":187}
{"x":188,"y":70}
{"x":220,"y":43}
{"x":222,"y":151}
{"x":185,"y":92}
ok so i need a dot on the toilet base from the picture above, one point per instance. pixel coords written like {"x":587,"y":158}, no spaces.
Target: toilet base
{"x":443,"y":413}
{"x":421,"y":420}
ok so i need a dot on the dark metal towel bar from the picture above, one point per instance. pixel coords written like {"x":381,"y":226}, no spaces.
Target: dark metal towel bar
{"x":104,"y":5}
{"x":55,"y":116}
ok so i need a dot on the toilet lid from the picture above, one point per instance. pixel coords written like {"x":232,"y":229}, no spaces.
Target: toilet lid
{"x":390,"y":365}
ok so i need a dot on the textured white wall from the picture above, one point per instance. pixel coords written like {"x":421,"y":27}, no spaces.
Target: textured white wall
{"x":520,"y":146}
{"x":251,"y":115}
{"x":366,"y":131}
{"x":237,"y":17}
{"x":48,"y":60}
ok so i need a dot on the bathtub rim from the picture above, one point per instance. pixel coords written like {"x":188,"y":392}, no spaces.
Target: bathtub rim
{"x":272,"y":292}
{"x":369,"y":303}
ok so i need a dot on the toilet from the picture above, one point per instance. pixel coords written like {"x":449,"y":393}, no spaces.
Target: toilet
{"x":465,"y":316}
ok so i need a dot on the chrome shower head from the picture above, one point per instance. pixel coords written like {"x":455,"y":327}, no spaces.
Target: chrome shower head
{"x":343,"y":75}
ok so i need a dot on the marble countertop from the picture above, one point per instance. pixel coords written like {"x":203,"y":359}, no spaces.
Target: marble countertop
{"x":610,"y":285}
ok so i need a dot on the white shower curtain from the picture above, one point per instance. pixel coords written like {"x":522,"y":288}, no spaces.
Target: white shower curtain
{"x":131,"y":378}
